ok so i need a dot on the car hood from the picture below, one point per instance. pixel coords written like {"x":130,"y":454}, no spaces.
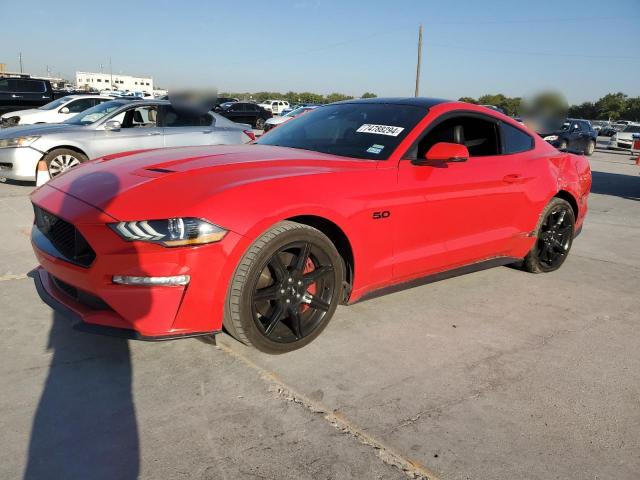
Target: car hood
{"x":22,"y":113}
{"x":173,"y":182}
{"x":39,"y":129}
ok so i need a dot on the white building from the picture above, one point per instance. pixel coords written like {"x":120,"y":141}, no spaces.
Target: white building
{"x":103,"y":81}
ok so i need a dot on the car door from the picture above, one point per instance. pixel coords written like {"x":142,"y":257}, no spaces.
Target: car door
{"x":138,"y":130}
{"x":455,"y":213}
{"x":234,"y":112}
{"x":181,"y":129}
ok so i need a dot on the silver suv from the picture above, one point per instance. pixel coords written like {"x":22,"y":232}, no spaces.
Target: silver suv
{"x":111,"y":127}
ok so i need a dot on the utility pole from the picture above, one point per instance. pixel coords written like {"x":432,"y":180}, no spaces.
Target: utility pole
{"x":419,"y":61}
{"x":20,"y":57}
{"x":111,"y":72}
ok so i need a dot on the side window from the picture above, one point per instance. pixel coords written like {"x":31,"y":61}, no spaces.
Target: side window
{"x":4,"y":85}
{"x":478,"y":135}
{"x":81,"y":105}
{"x":140,"y":117}
{"x":173,"y":118}
{"x":515,"y":140}
{"x":30,"y":86}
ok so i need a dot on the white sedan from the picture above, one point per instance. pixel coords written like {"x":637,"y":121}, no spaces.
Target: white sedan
{"x":57,"y":111}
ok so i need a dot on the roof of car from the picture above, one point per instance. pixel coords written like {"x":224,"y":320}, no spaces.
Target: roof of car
{"x":427,"y":102}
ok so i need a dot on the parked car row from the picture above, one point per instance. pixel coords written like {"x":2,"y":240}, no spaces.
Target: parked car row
{"x":623,"y":139}
{"x":111,"y":127}
{"x":574,"y":135}
{"x":53,"y":112}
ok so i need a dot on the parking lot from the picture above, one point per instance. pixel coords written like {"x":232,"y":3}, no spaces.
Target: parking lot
{"x":498,"y":374}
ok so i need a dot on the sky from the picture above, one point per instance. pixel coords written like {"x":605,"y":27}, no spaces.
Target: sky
{"x":581,"y":48}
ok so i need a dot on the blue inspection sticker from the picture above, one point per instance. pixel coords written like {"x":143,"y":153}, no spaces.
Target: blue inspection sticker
{"x":375,"y":148}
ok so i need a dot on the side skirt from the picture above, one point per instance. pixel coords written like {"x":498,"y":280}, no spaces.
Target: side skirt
{"x":436,"y":277}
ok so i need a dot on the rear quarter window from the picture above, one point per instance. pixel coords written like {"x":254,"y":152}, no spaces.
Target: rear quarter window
{"x":515,"y":140}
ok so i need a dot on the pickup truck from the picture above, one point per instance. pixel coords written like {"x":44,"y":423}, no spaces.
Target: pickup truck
{"x":20,"y":93}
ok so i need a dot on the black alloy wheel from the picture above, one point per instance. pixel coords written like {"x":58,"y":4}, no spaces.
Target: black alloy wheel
{"x":285,"y":289}
{"x":294,"y":292}
{"x":553,"y":238}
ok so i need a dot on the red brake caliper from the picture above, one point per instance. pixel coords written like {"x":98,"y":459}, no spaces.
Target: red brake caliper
{"x":311,"y":289}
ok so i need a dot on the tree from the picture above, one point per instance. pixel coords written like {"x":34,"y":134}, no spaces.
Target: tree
{"x":336,"y":97}
{"x":369,"y":95}
{"x":584,"y":110}
{"x":611,"y":106}
{"x":467,"y":99}
{"x":632,"y":110}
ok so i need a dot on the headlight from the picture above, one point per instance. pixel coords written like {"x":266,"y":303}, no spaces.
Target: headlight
{"x":172,"y":232}
{"x":18,"y":141}
{"x":550,"y":138}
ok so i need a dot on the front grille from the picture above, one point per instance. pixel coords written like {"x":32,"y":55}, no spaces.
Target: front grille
{"x":65,"y":237}
{"x":80,"y":296}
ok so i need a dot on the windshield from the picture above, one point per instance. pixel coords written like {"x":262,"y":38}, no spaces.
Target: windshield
{"x":55,"y":104}
{"x":632,"y":128}
{"x":369,"y":131}
{"x":94,"y":114}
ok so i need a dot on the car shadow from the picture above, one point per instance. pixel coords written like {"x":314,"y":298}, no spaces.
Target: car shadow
{"x":85,"y":424}
{"x":617,"y":185}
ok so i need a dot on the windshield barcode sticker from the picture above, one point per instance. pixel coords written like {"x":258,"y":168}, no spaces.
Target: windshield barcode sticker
{"x":380,"y":129}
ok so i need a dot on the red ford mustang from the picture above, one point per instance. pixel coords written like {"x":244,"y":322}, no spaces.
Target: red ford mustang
{"x":349,"y":200}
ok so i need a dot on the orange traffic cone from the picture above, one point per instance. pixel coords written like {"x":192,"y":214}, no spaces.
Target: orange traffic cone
{"x":42,"y":173}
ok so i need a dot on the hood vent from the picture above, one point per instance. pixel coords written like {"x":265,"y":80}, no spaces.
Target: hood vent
{"x":160,"y":170}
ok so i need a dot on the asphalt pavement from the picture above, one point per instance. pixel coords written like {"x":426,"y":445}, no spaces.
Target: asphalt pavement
{"x":498,"y":374}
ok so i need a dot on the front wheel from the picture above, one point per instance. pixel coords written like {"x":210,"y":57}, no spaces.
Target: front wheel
{"x":260,"y":123}
{"x":554,"y":236}
{"x":62,"y":159}
{"x":285,"y":289}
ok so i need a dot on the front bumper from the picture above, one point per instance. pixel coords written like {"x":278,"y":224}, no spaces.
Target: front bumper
{"x":142,"y":312}
{"x":19,"y":163}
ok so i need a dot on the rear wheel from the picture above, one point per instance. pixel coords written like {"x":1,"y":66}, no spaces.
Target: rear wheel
{"x":285,"y":289}
{"x":62,"y":159}
{"x":554,"y":236}
{"x":259,"y":123}
{"x":563,"y":145}
{"x":591,"y":146}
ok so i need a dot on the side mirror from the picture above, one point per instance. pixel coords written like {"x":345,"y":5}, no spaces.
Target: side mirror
{"x":113,"y":125}
{"x":64,"y":110}
{"x":446,"y":152}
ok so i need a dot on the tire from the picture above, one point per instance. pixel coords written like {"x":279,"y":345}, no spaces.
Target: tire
{"x":260,"y":123}
{"x":563,"y":145}
{"x":291,"y":272}
{"x":554,"y":237}
{"x":62,"y":159}
{"x":591,"y":147}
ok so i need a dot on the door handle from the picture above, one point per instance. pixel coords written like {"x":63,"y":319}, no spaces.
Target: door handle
{"x":16,"y":96}
{"x":153,"y":133}
{"x":513,"y":178}
{"x":207,"y":131}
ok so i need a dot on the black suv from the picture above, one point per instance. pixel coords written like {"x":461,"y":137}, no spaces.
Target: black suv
{"x":20,"y":93}
{"x":574,"y":135}
{"x":244,"y":112}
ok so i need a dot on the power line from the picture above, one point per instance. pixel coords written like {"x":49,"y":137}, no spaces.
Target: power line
{"x":526,"y":52}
